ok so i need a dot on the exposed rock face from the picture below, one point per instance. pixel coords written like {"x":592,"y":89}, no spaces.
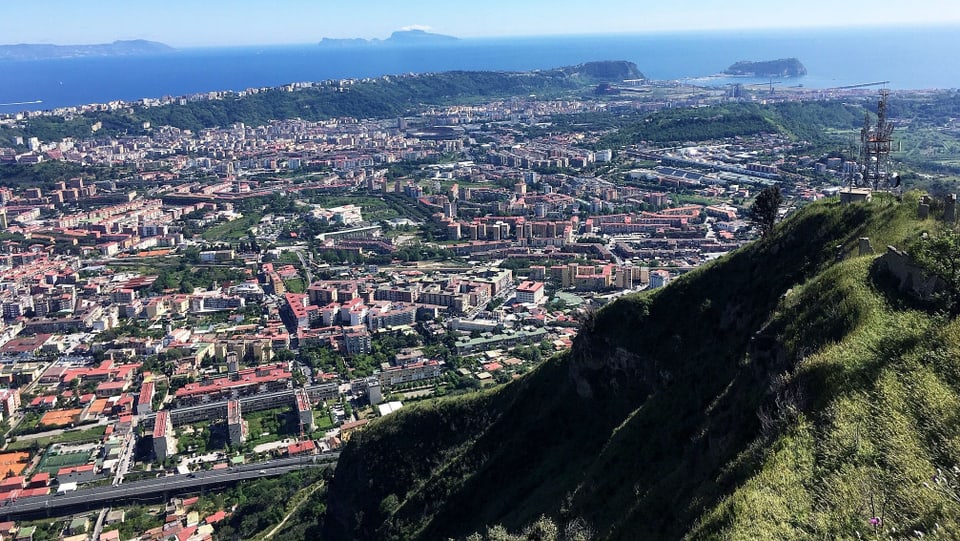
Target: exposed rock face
{"x":910,"y":278}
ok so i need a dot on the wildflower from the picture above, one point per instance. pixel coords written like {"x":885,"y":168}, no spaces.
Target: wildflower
{"x":876,"y":521}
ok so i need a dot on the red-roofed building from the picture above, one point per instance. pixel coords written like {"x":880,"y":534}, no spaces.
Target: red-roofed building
{"x":186,"y":533}
{"x":41,"y":479}
{"x":348,"y":428}
{"x":83,"y":473}
{"x":25,"y":345}
{"x":12,"y":483}
{"x":262,"y":379}
{"x":530,"y":292}
{"x":38,"y":491}
{"x":111,"y":388}
{"x":164,"y":441}
{"x":44,"y":402}
{"x":216,"y":517}
{"x":145,"y":399}
{"x":302,"y":448}
{"x":53,"y":374}
{"x":300,"y":311}
{"x":123,"y":405}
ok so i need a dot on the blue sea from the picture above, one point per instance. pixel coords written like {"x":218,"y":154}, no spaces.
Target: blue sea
{"x":910,"y":58}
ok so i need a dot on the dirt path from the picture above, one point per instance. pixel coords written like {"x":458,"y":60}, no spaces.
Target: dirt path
{"x":306,"y":496}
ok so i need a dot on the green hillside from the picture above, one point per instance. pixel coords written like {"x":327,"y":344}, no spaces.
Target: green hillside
{"x":809,"y":121}
{"x":777,"y":393}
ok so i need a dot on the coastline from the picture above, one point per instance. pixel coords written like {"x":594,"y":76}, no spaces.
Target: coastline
{"x":839,"y":59}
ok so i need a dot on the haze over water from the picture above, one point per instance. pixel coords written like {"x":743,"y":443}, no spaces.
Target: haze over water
{"x":909,"y":58}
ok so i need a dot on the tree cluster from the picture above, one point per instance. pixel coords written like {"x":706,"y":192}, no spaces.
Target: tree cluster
{"x":763,"y":211}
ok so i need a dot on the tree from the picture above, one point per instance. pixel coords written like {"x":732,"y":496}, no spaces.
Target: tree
{"x":284,"y":355}
{"x":763,"y":211}
{"x":939,"y":255}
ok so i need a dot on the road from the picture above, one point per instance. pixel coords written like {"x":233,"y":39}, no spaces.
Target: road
{"x":147,"y":488}
{"x":98,"y":528}
{"x":126,"y":458}
{"x":305,"y":266}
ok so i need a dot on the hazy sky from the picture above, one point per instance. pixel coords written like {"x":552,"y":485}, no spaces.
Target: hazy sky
{"x":187,"y":23}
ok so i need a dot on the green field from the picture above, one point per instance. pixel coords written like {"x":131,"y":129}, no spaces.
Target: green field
{"x":72,"y":436}
{"x":372,"y":208}
{"x":323,"y":420}
{"x":234,"y":229}
{"x":52,"y":463}
{"x":926,"y":147}
{"x":295,"y":285}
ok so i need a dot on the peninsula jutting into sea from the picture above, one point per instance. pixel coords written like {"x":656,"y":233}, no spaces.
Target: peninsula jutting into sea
{"x":44,"y":51}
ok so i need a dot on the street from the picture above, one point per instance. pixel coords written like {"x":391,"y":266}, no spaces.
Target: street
{"x":135,"y":490}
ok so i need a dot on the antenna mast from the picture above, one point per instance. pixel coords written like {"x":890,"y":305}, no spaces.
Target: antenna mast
{"x":875,"y":143}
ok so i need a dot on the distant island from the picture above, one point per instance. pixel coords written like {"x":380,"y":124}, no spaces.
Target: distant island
{"x":784,"y":67}
{"x":41,"y":51}
{"x":400,"y":37}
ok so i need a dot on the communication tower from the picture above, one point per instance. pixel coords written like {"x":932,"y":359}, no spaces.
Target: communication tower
{"x":875,"y":143}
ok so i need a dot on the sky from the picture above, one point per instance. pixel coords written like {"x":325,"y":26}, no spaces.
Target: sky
{"x":191,"y":23}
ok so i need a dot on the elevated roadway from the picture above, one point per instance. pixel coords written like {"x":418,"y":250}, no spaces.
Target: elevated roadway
{"x":153,"y":489}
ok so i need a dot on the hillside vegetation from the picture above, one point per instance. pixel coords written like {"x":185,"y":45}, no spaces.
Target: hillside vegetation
{"x":799,"y":121}
{"x":777,"y":393}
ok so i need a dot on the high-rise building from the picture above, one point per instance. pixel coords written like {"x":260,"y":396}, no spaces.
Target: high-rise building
{"x":236,"y":426}
{"x":304,"y":410}
{"x":164,"y":440}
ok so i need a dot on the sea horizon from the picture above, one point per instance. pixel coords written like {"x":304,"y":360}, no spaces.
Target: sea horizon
{"x":912,"y":59}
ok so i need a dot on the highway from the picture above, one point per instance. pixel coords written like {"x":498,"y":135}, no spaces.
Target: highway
{"x":145,"y":489}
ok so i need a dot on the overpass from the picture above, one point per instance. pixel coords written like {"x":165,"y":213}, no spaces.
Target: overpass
{"x":153,"y":489}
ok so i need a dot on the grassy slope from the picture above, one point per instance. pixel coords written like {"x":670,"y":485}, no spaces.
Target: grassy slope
{"x":882,"y":417}
{"x":232,"y":230}
{"x":651,"y":427}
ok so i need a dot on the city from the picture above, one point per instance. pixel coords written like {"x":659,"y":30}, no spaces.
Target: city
{"x":238,"y":301}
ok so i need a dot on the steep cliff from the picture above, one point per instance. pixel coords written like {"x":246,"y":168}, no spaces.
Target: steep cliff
{"x":676,"y":412}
